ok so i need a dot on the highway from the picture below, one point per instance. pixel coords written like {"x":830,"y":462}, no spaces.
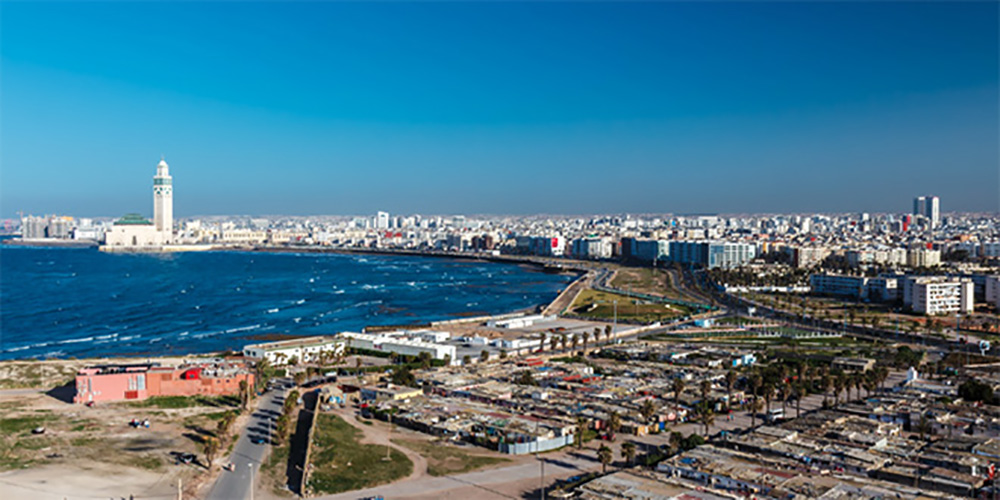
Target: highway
{"x":235,"y":484}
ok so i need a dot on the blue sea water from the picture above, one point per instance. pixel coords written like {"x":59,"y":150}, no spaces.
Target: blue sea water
{"x":61,"y":302}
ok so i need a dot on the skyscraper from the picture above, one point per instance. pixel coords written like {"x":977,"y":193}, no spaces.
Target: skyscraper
{"x":163,"y":201}
{"x":928,"y":206}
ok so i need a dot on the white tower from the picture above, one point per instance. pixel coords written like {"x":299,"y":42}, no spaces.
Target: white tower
{"x":163,"y":201}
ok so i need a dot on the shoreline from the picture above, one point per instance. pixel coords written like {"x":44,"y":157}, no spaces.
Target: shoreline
{"x":528,"y":263}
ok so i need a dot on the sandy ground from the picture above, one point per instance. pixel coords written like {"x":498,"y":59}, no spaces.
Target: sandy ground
{"x":100,"y":481}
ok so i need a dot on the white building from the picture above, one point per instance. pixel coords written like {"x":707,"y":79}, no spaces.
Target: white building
{"x":303,"y":350}
{"x":133,"y":230}
{"x":923,"y":257}
{"x":390,"y":343}
{"x":592,"y":248}
{"x":382,"y":220}
{"x":934,"y":295}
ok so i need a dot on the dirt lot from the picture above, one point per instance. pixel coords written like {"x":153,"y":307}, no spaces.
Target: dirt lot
{"x":88,"y":452}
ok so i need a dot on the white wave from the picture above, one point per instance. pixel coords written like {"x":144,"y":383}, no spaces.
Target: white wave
{"x":300,"y":302}
{"x":338,"y":292}
{"x":15,"y":349}
{"x":106,"y":337}
{"x":74,"y":341}
{"x":184,"y":334}
{"x":242,"y":329}
{"x":272,"y":311}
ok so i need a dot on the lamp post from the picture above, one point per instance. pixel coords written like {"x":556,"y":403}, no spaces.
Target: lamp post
{"x":251,"y":479}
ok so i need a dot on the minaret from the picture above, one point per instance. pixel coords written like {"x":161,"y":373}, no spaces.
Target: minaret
{"x":163,"y":201}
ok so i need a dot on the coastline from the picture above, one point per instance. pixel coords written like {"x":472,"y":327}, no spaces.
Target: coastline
{"x":527,"y":263}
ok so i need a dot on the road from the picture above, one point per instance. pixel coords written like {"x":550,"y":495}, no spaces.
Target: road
{"x":235,"y":484}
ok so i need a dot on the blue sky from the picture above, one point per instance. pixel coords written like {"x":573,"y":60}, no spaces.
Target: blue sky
{"x":498,"y":107}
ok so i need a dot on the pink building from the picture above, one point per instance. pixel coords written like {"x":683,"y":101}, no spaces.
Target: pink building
{"x":140,"y":381}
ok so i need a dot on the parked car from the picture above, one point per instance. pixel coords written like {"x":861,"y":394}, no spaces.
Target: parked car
{"x":186,"y":457}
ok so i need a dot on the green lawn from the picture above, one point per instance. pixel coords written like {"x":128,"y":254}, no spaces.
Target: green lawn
{"x":173,"y":402}
{"x":341,"y":463}
{"x":443,"y":460}
{"x":600,"y":305}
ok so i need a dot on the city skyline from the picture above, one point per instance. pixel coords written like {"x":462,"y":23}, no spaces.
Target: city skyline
{"x":438,"y":108}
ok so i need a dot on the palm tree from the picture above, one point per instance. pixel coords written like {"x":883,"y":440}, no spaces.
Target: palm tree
{"x":755,"y":406}
{"x":586,"y":339}
{"x":924,"y":426}
{"x":677,"y":386}
{"x":800,"y":390}
{"x":614,"y":422}
{"x":706,"y":416}
{"x":484,"y":356}
{"x":604,"y":455}
{"x":826,"y":383}
{"x":628,"y":452}
{"x":574,"y":340}
{"x":607,"y":333}
{"x":581,"y":424}
{"x":731,"y":377}
{"x":648,"y":410}
{"x":210,"y":446}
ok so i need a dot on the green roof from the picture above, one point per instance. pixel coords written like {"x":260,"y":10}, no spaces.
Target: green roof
{"x":133,"y":220}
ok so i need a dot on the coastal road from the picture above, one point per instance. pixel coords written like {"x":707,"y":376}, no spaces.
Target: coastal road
{"x":235,"y":484}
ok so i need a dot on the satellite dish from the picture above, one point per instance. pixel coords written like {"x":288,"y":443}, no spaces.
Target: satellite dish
{"x":984,"y":346}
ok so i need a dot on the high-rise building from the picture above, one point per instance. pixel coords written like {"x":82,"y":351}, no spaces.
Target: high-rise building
{"x":382,"y":220}
{"x":929,"y":207}
{"x":163,"y":201}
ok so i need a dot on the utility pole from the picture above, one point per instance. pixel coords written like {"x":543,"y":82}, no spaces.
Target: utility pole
{"x":615,"y":327}
{"x":180,"y":492}
{"x":541,"y":463}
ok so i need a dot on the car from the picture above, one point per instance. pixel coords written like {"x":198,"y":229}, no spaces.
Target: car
{"x":186,"y":457}
{"x":258,"y":440}
{"x":38,"y":430}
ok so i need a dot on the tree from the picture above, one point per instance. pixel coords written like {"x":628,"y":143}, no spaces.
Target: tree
{"x":755,"y":406}
{"x":731,"y":377}
{"x":425,"y":359}
{"x":604,"y":455}
{"x":299,"y":378}
{"x":677,"y":386}
{"x":503,"y":353}
{"x":614,"y":422}
{"x":628,"y":452}
{"x":607,"y":333}
{"x":706,"y":416}
{"x":210,"y":446}
{"x":648,"y":410}
{"x":244,"y":394}
{"x":484,"y":356}
{"x":403,"y":376}
{"x":581,"y":425}
{"x":466,"y":360}
{"x":973,"y":390}
{"x":574,"y":340}
{"x":525,"y":378}
{"x":924,"y":426}
{"x":224,"y":425}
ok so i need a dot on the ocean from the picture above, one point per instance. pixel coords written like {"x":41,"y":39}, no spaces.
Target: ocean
{"x":79,"y":302}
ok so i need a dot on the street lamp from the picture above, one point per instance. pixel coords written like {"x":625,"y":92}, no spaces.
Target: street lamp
{"x":251,"y":479}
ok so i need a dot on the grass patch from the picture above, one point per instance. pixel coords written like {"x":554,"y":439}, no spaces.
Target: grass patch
{"x":11,"y":426}
{"x":274,"y":470}
{"x":443,"y":460}
{"x":147,"y":462}
{"x":174,"y":402}
{"x":601,"y":305}
{"x":341,"y":463}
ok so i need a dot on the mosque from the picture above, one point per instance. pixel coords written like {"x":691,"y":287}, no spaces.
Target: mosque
{"x":135,"y":232}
